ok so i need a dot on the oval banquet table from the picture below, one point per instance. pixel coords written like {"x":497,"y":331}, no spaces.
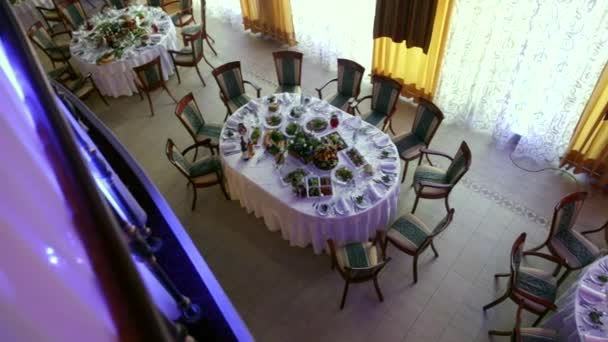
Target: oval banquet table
{"x":116,"y":77}
{"x":583,"y":308}
{"x":258,"y":183}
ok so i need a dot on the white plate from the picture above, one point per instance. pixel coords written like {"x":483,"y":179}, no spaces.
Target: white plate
{"x":319,"y":209}
{"x":366,"y":203}
{"x":595,"y":275}
{"x":338,"y":180}
{"x":316,"y":132}
{"x":267,"y":125}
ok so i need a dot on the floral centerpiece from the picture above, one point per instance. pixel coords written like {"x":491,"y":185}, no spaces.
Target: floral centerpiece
{"x":303,"y":146}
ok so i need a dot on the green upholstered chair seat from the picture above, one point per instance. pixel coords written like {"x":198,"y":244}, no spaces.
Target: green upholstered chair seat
{"x":289,"y":89}
{"x":177,"y":18}
{"x":209,"y":131}
{"x":574,"y":248}
{"x":61,"y":71}
{"x":61,"y":52}
{"x":339,"y":101}
{"x":374,"y":117}
{"x":538,"y":335}
{"x":409,"y":146}
{"x":432,"y":174}
{"x":204,"y":167}
{"x":537,"y":283}
{"x":237,"y":102}
{"x":52,"y":15}
{"x":357,"y":255}
{"x":408,"y":232}
{"x":184,"y":59}
{"x":190,"y":29}
{"x":84,"y":90}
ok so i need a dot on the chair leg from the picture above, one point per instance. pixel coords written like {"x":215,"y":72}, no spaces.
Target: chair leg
{"x":500,"y":333}
{"x":500,"y":275}
{"x":227,"y":114}
{"x":415,"y":204}
{"x":428,"y":159}
{"x":390,"y":127}
{"x":207,"y":61}
{"x":194,"y":199}
{"x":102,"y":97}
{"x":195,"y":153}
{"x":434,"y":250}
{"x":150,"y":103}
{"x":199,"y":75}
{"x":168,"y":92}
{"x":209,"y":36}
{"x":223,"y":187}
{"x":563,"y":277}
{"x":179,"y":79}
{"x":404,"y":171}
{"x":415,"y":269}
{"x":558,"y":268}
{"x":210,"y":45}
{"x":540,"y":318}
{"x":378,"y":289}
{"x":344,"y":295}
{"x":447,"y":205}
{"x":497,"y":301}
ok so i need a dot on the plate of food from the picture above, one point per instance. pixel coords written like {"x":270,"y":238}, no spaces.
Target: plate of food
{"x":294,"y":177}
{"x":317,"y":125}
{"x":256,"y":133}
{"x":274,"y":142}
{"x":229,"y":134}
{"x":291,"y":129}
{"x":599,"y":278}
{"x":387,"y":153}
{"x":297,"y":112}
{"x":355,"y":157}
{"x":343,"y":175}
{"x":273,"y":121}
{"x":323,"y":209}
{"x":325,"y":157}
{"x":594,"y":318}
{"x":361,"y":201}
{"x":303,"y":146}
{"x":336,"y":140}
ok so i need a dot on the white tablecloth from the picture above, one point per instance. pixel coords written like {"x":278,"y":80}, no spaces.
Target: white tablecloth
{"x":117,"y":78}
{"x":257,"y":184}
{"x":27,"y":14}
{"x":584,"y":296}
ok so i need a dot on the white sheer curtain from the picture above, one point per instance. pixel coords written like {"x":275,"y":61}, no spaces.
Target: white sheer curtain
{"x":525,"y":67}
{"x":325,"y":29}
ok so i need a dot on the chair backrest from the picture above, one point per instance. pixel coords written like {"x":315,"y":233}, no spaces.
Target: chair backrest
{"x":358,"y":272}
{"x":73,"y":14}
{"x":195,"y":40}
{"x":150,"y":75}
{"x":189,"y":114}
{"x":185,"y":5}
{"x":460,"y":164}
{"x":427,"y":120}
{"x":203,"y":5}
{"x":350,"y":74}
{"x":443,"y":224}
{"x":48,"y":14}
{"x":566,"y":211}
{"x":230,"y":79}
{"x":517,"y":251}
{"x":118,"y":4}
{"x":41,"y":37}
{"x":176,"y":158}
{"x":385,"y":94}
{"x":288,"y":65}
{"x":154,"y":3}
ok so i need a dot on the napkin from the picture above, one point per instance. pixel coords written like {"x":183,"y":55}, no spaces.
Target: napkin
{"x":388,"y":166}
{"x":232,"y":123}
{"x":229,"y":147}
{"x":343,"y":206}
{"x":373,"y":193}
{"x":591,"y":293}
{"x":382,"y":140}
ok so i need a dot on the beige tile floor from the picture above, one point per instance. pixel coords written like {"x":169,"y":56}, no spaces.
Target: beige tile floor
{"x":289,"y":294}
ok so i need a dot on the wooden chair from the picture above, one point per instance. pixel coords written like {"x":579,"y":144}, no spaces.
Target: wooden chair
{"x":80,"y":85}
{"x":232,"y":86}
{"x":569,"y":246}
{"x":520,"y":334}
{"x":43,"y":39}
{"x":435,"y":183}
{"x":349,"y":78}
{"x":190,"y":56}
{"x":532,"y":288}
{"x":385,"y":93}
{"x":52,"y":18}
{"x":411,"y":236}
{"x":288,"y":65}
{"x":427,"y":120}
{"x":72,"y":13}
{"x":358,"y":262}
{"x":201,"y":174}
{"x":203,"y":27}
{"x":171,"y":7}
{"x":150,"y":76}
{"x":203,"y":134}
{"x":184,"y":16}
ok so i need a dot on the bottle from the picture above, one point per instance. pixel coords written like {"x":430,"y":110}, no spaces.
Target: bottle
{"x":244,"y":152}
{"x":250,"y":150}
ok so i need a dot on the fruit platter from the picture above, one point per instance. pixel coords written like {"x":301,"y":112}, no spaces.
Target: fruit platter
{"x":325,"y":157}
{"x":303,"y":146}
{"x":336,"y":140}
{"x":274,"y":142}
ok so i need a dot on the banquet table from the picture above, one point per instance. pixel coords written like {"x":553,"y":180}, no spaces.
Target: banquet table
{"x":262,"y":189}
{"x":26,"y":11}
{"x":114,"y":76}
{"x":583,"y":308}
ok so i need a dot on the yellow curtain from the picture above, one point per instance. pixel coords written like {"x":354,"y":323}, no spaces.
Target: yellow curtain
{"x":272,"y":18}
{"x":588,"y":151}
{"x":417,"y":71}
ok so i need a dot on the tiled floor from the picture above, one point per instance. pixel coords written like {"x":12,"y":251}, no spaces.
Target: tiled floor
{"x":288,"y":294}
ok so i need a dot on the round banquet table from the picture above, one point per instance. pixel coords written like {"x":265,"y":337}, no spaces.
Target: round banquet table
{"x":27,"y":14}
{"x":259,"y":186}
{"x":116,"y":78}
{"x":586,"y":295}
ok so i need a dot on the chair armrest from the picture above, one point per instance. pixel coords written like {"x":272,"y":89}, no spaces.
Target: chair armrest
{"x":435,"y":185}
{"x":319,"y":90}
{"x":204,"y":143}
{"x":354,"y":104}
{"x":553,"y":258}
{"x":547,"y":304}
{"x":257,"y":89}
{"x":436,"y":153}
{"x":175,"y":52}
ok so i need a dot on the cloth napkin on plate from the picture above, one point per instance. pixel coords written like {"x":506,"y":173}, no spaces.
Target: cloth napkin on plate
{"x":382,"y":140}
{"x":388,"y":166}
{"x":373,"y":193}
{"x":232,"y":123}
{"x":591,"y":293}
{"x":343,"y":206}
{"x":229,"y":148}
